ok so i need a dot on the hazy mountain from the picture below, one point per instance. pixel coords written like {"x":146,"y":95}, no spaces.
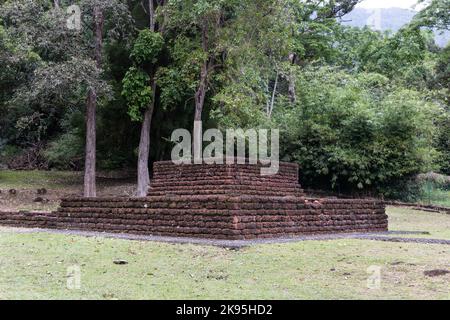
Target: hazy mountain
{"x":387,"y":19}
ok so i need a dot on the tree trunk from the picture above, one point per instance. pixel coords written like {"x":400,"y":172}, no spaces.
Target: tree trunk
{"x":91,"y":106}
{"x":143,"y":174}
{"x":89,"y":167}
{"x":99,"y":21}
{"x":291,"y":79}
{"x":202,"y":87}
{"x":274,"y":92}
{"x":143,"y":179}
{"x":151,"y":14}
{"x":56,"y":2}
{"x":201,"y":92}
{"x":291,"y":90}
{"x":144,"y":150}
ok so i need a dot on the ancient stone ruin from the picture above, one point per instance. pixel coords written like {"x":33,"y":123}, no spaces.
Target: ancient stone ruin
{"x":214,"y":201}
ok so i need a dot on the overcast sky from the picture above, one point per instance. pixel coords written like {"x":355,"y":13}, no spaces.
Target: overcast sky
{"x":407,"y":4}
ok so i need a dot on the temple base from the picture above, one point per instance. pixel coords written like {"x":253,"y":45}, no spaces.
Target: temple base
{"x":221,"y":202}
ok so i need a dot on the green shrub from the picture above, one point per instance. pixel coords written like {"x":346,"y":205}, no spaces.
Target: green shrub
{"x":354,"y":132}
{"x":7,"y":153}
{"x":66,"y":152}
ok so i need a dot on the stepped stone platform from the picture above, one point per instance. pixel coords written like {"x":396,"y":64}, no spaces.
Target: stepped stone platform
{"x":224,"y":179}
{"x":232,"y":202}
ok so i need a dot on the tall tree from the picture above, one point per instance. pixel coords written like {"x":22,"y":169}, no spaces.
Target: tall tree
{"x":268,"y":45}
{"x":91,"y":106}
{"x":311,"y":25}
{"x":207,"y":18}
{"x":143,"y":180}
{"x":43,"y":27}
{"x":140,"y":88}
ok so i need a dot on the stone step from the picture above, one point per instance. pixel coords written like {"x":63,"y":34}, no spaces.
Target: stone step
{"x":220,"y":182}
{"x":170,"y":164}
{"x":195,"y":186}
{"x":224,"y":175}
{"x":226,"y":179}
{"x":227,"y":192}
{"x":289,"y":173}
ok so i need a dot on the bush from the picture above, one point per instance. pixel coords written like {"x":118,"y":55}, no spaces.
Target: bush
{"x":438,"y":180}
{"x":7,"y":153}
{"x":443,"y":141}
{"x":66,"y":152}
{"x":355,"y":132}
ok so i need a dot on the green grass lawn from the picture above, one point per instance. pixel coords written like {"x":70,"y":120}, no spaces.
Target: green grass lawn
{"x":406,"y":219}
{"x":10,"y":179}
{"x":34,"y":266}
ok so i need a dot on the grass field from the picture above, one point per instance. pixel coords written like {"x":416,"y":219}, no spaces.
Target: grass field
{"x":10,"y":179}
{"x":58,"y":184}
{"x":38,"y":265}
{"x":35,"y":266}
{"x":405,"y":219}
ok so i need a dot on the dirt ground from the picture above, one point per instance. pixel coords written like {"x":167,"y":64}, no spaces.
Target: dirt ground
{"x":42,"y":191}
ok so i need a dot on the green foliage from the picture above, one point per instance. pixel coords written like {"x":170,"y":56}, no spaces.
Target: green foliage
{"x":147,"y":47}
{"x":44,"y":29}
{"x":242,"y":104}
{"x":136,"y":86}
{"x":441,"y":81}
{"x":46,"y":68}
{"x":66,"y":152}
{"x":434,"y":15}
{"x":178,"y":81}
{"x":7,"y":153}
{"x":137,"y":92}
{"x":346,"y":133}
{"x":443,"y":140}
{"x":403,"y":57}
{"x":429,"y":188}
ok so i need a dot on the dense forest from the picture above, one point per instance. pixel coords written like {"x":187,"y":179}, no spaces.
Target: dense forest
{"x":389,"y":19}
{"x":359,"y":110}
